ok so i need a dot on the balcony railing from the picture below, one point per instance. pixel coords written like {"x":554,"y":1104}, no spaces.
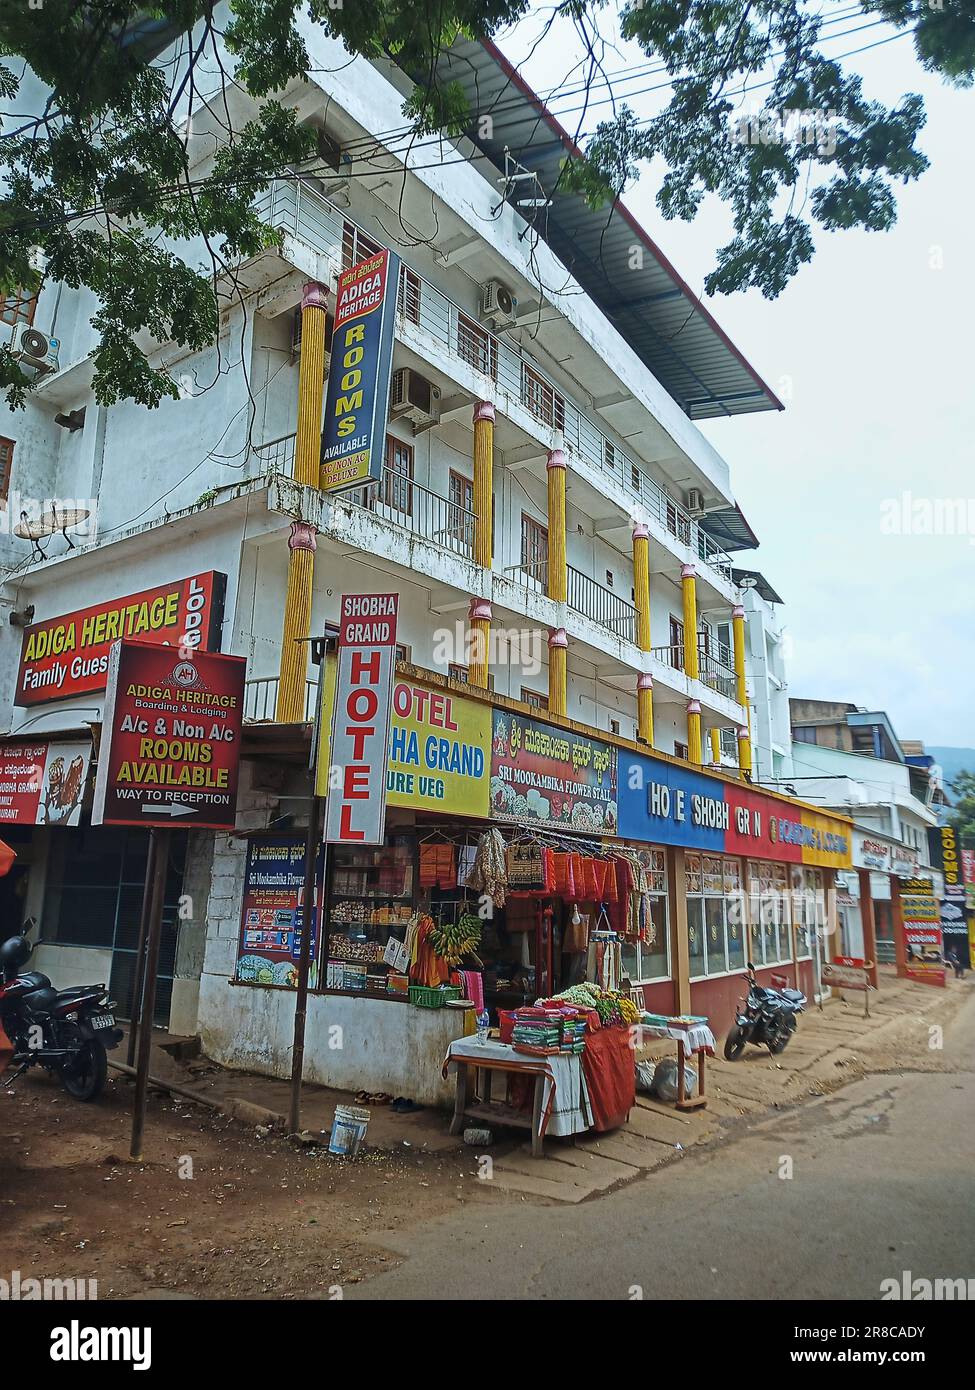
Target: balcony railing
{"x":402,"y":502}
{"x":511,"y":374}
{"x":261,"y":698}
{"x":713,"y":671}
{"x":595,"y":601}
{"x":583,"y":595}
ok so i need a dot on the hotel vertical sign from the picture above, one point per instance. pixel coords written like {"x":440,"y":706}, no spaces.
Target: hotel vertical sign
{"x":357,"y":399}
{"x":356,"y":809}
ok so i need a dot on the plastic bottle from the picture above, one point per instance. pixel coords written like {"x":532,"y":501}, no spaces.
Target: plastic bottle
{"x":483,"y":1024}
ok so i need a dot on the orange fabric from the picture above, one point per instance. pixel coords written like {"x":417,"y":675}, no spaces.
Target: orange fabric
{"x":608,"y":1066}
{"x":7,"y":857}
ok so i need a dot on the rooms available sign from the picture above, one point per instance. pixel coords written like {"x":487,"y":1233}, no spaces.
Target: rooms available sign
{"x":170,"y":749}
{"x":66,"y":656}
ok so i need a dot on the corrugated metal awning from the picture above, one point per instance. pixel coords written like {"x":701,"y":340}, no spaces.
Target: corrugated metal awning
{"x":652,"y":308}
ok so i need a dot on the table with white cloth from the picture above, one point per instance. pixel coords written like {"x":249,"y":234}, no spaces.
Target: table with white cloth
{"x":561,"y":1097}
{"x":695,"y":1040}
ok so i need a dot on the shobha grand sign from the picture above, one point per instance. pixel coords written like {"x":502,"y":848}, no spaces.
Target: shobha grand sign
{"x":170,"y":746}
{"x":66,"y":656}
{"x":356,"y":808}
{"x":357,"y":399}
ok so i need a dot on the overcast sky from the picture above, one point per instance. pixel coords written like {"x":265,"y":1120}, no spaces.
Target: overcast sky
{"x":872,"y":346}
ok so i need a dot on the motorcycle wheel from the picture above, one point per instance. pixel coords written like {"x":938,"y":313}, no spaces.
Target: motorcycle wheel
{"x":734,"y":1044}
{"x":86,"y":1079}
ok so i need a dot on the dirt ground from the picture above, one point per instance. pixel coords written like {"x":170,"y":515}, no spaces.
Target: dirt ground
{"x":258,"y":1218}
{"x":225,"y":1208}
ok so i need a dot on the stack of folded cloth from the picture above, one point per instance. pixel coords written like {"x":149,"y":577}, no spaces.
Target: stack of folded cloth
{"x":545,"y":1032}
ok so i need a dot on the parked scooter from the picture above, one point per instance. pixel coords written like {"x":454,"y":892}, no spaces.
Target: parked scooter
{"x":767,"y":1018}
{"x":66,"y":1031}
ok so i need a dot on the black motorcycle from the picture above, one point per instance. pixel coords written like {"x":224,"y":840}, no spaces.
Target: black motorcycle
{"x":766,"y":1018}
{"x":65,"y":1031}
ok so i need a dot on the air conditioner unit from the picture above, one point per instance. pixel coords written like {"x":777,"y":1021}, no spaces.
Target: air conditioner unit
{"x":498,"y":304}
{"x":34,"y":348}
{"x":415,"y":397}
{"x":695,"y":501}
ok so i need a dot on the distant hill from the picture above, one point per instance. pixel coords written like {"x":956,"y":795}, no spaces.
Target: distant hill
{"x":953,"y":761}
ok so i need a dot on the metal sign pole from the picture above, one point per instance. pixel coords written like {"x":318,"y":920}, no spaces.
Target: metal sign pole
{"x":313,"y":841}
{"x":160,"y":863}
{"x":140,"y":956}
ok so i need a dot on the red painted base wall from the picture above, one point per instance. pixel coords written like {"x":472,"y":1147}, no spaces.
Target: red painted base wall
{"x":718,"y":998}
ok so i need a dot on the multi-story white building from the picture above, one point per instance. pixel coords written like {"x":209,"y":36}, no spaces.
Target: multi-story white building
{"x":570,"y":330}
{"x":850,"y":760}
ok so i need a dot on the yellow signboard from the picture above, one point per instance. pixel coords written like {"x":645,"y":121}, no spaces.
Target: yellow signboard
{"x":439,"y":746}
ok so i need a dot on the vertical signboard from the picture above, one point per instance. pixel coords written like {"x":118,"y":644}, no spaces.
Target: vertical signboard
{"x":273,"y":915}
{"x":357,"y":398}
{"x":356,"y":810}
{"x":946,"y":855}
{"x":170,"y":748}
{"x":922,"y":931}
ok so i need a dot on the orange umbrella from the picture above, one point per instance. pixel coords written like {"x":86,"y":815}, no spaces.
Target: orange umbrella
{"x":7,"y":857}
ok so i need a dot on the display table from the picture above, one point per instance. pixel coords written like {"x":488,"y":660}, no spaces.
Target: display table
{"x":697,"y":1041}
{"x":561,"y":1099}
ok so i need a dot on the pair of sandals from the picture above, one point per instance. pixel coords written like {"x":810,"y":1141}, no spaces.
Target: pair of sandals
{"x":400,"y":1104}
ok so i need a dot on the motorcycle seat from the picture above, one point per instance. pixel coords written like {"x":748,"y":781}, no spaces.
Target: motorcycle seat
{"x":40,"y":1001}
{"x":77,"y":991}
{"x":34,"y":979}
{"x":794,"y":996}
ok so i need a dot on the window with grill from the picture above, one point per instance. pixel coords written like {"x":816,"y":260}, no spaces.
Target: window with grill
{"x":678,"y":524}
{"x":18,"y":307}
{"x":398,"y":479}
{"x":457,"y":671}
{"x":356,"y":246}
{"x":460,"y":518}
{"x":408,"y":295}
{"x":477,"y":347}
{"x":542,"y":399}
{"x":6,"y":468}
{"x":534,"y":548}
{"x":533,"y":698}
{"x":676,"y":643}
{"x":680,"y":750}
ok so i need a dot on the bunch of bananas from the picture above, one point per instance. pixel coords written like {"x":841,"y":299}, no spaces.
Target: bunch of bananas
{"x":452,"y":941}
{"x":628,"y":1010}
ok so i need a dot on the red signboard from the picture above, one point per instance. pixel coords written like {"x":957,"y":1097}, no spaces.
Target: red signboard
{"x":43,"y":783}
{"x":170,"y":745}
{"x":67,"y":656}
{"x":356,"y":807}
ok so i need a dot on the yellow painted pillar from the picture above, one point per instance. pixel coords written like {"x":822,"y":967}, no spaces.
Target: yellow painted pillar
{"x":557,"y":581}
{"x":688,"y":587}
{"x":483,"y":483}
{"x":695,"y":752}
{"x":477,"y":660}
{"x":301,"y":543}
{"x":641,"y":584}
{"x":644,"y":708}
{"x":715,"y":737}
{"x":558,"y":644}
{"x":741,"y":689}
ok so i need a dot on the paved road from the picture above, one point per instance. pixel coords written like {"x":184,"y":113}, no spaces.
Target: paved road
{"x":883,"y":1181}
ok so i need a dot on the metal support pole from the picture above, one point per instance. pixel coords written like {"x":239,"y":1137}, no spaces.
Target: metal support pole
{"x":160,"y":861}
{"x":313,"y":840}
{"x":138,"y":983}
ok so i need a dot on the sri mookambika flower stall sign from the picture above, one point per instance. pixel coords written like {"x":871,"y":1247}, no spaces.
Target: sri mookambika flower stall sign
{"x":551,"y":777}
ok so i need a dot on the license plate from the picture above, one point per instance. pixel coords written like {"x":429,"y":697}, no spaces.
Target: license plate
{"x":103,"y":1020}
